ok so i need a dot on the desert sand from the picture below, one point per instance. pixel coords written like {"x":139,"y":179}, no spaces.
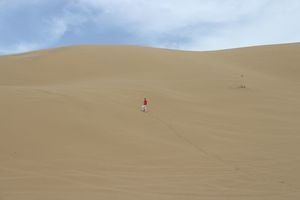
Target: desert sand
{"x":71,"y":126}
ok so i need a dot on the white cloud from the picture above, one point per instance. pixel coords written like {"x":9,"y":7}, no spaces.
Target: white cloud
{"x":19,"y":48}
{"x":276,"y":22}
{"x":188,"y":24}
{"x":159,"y":16}
{"x":48,"y":28}
{"x":23,"y":47}
{"x":205,"y":24}
{"x":57,"y":27}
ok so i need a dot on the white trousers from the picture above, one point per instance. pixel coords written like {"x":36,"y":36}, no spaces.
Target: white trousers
{"x":144,"y":108}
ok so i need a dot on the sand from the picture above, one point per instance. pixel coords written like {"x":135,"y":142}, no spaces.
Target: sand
{"x":71,"y":126}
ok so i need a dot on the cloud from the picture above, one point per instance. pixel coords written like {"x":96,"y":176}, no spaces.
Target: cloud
{"x":23,"y":47}
{"x":56,"y":28}
{"x":25,"y":26}
{"x":203,"y":24}
{"x":189,"y":24}
{"x":36,"y":24}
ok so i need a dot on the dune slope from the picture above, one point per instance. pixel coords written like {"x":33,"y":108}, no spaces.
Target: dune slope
{"x":71,"y":128}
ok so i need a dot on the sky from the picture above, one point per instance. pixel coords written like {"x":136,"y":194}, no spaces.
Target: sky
{"x":197,"y":25}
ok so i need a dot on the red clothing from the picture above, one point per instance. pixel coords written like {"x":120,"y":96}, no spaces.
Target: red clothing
{"x":145,"y":102}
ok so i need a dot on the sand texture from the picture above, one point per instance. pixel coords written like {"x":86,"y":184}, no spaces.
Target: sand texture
{"x":71,"y":126}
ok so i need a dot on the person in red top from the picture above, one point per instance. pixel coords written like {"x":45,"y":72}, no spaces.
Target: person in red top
{"x":144,"y":106}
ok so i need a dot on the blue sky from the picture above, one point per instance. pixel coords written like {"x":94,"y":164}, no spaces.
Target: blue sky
{"x":27,"y":25}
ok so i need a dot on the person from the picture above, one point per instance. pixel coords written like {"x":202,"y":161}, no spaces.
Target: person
{"x":144,"y":106}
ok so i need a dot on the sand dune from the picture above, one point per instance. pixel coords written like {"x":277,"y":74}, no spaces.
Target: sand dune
{"x":71,"y":128}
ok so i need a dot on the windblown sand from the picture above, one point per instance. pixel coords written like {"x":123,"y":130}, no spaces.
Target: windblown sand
{"x":71,"y":126}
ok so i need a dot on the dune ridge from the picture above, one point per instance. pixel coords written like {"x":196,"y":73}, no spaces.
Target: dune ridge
{"x":71,"y":127}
